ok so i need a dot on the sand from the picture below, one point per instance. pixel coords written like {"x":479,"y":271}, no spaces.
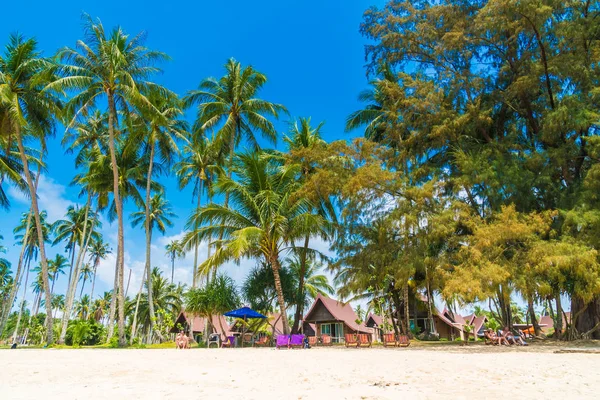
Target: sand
{"x":321,"y":373}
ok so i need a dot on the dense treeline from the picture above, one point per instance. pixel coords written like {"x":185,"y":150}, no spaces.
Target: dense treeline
{"x":475,"y":181}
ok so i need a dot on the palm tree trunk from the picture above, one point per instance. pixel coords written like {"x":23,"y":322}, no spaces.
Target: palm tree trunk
{"x":406,"y":308}
{"x":300,"y":294}
{"x":137,"y":306}
{"x":149,"y":238}
{"x":534,"y":321}
{"x":72,"y":287}
{"x":82,"y":286}
{"x":558,"y":324}
{"x":276,"y":266}
{"x":18,"y":275}
{"x":40,"y":233}
{"x":16,"y":332}
{"x":113,"y":306}
{"x":119,"y":288}
{"x":195,"y":269}
{"x":96,"y":263}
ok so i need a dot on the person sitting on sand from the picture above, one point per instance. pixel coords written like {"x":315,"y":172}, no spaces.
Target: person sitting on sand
{"x":178,"y":340}
{"x":510,"y":338}
{"x":492,"y":337}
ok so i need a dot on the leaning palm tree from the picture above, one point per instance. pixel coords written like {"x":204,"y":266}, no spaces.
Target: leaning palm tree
{"x":307,"y":274}
{"x":98,"y":251}
{"x":159,"y":217}
{"x":115,"y":67}
{"x":30,"y":111}
{"x":199,"y":165}
{"x":174,"y":250}
{"x":264,"y":220}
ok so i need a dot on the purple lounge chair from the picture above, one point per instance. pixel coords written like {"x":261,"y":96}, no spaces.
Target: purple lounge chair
{"x":282,"y":341}
{"x":297,"y":341}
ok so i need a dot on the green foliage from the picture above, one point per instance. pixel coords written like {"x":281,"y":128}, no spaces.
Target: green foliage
{"x":83,"y":332}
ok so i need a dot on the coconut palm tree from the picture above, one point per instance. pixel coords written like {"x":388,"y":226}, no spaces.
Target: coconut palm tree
{"x":30,"y":110}
{"x":157,"y":215}
{"x":307,"y":274}
{"x":82,"y":308}
{"x":230,"y":103}
{"x":264,"y":220}
{"x":174,"y":250}
{"x":164,"y":296}
{"x":98,"y":251}
{"x":101,"y":306}
{"x":71,"y":230}
{"x":115,"y":67}
{"x":303,"y":137}
{"x":162,"y":128}
{"x":199,"y":165}
{"x":56,"y":267}
{"x":85,"y":275}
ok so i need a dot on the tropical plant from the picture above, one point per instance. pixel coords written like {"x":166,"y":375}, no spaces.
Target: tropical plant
{"x":263,"y":221}
{"x":29,"y":110}
{"x":174,"y":250}
{"x":85,"y":274}
{"x":115,"y":67}
{"x":98,"y":251}
{"x":56,"y":267}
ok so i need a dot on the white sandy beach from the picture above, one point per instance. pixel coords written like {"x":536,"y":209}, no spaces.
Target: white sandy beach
{"x":333,"y":373}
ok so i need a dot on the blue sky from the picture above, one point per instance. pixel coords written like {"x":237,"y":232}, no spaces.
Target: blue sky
{"x":310,"y":50}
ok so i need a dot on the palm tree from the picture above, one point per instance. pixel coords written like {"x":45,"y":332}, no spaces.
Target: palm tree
{"x":82,"y":308}
{"x":230,"y":103}
{"x":164,"y":125}
{"x":306,"y":272}
{"x":156,"y":214}
{"x":101,"y":306}
{"x":174,"y":250}
{"x":58,"y":302}
{"x":303,"y":137}
{"x":98,"y":251}
{"x":165,"y":296}
{"x":71,"y":230}
{"x":264,"y":220}
{"x":56,"y":268}
{"x":29,"y":110}
{"x":85,"y":274}
{"x":114,"y":67}
{"x":200,"y":164}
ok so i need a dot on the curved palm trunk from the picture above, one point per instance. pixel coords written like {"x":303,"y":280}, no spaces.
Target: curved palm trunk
{"x":16,"y":332}
{"x":137,"y":306}
{"x":18,"y":275}
{"x":149,"y":240}
{"x":40,"y":234}
{"x":72,"y":288}
{"x":300,"y":295}
{"x":82,"y":286}
{"x":96,"y":263}
{"x":276,"y":267}
{"x":119,"y":288}
{"x":195,"y":269}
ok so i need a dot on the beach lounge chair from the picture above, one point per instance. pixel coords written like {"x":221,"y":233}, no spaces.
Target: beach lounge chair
{"x":247,"y":339}
{"x":297,"y":341}
{"x":350,"y":340}
{"x":229,"y":342}
{"x":312,"y":341}
{"x":282,"y":341}
{"x":364,"y":340}
{"x":326,"y":340}
{"x":389,"y":339}
{"x":403,"y":341}
{"x":261,"y":342}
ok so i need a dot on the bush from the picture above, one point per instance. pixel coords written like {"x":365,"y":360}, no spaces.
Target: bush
{"x":82,"y":332}
{"x":114,"y":342}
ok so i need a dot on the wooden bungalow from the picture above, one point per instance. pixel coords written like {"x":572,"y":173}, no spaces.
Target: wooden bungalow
{"x":379,"y":326}
{"x":333,"y":318}
{"x":199,"y":326}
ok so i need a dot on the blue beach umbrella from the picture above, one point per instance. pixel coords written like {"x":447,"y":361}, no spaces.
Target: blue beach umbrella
{"x":244,"y":313}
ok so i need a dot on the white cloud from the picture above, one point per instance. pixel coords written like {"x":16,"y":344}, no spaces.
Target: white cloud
{"x":51,"y":198}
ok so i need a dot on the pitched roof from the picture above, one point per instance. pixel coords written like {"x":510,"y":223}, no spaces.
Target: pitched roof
{"x":275,"y":321}
{"x":339,"y":311}
{"x":199,"y":323}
